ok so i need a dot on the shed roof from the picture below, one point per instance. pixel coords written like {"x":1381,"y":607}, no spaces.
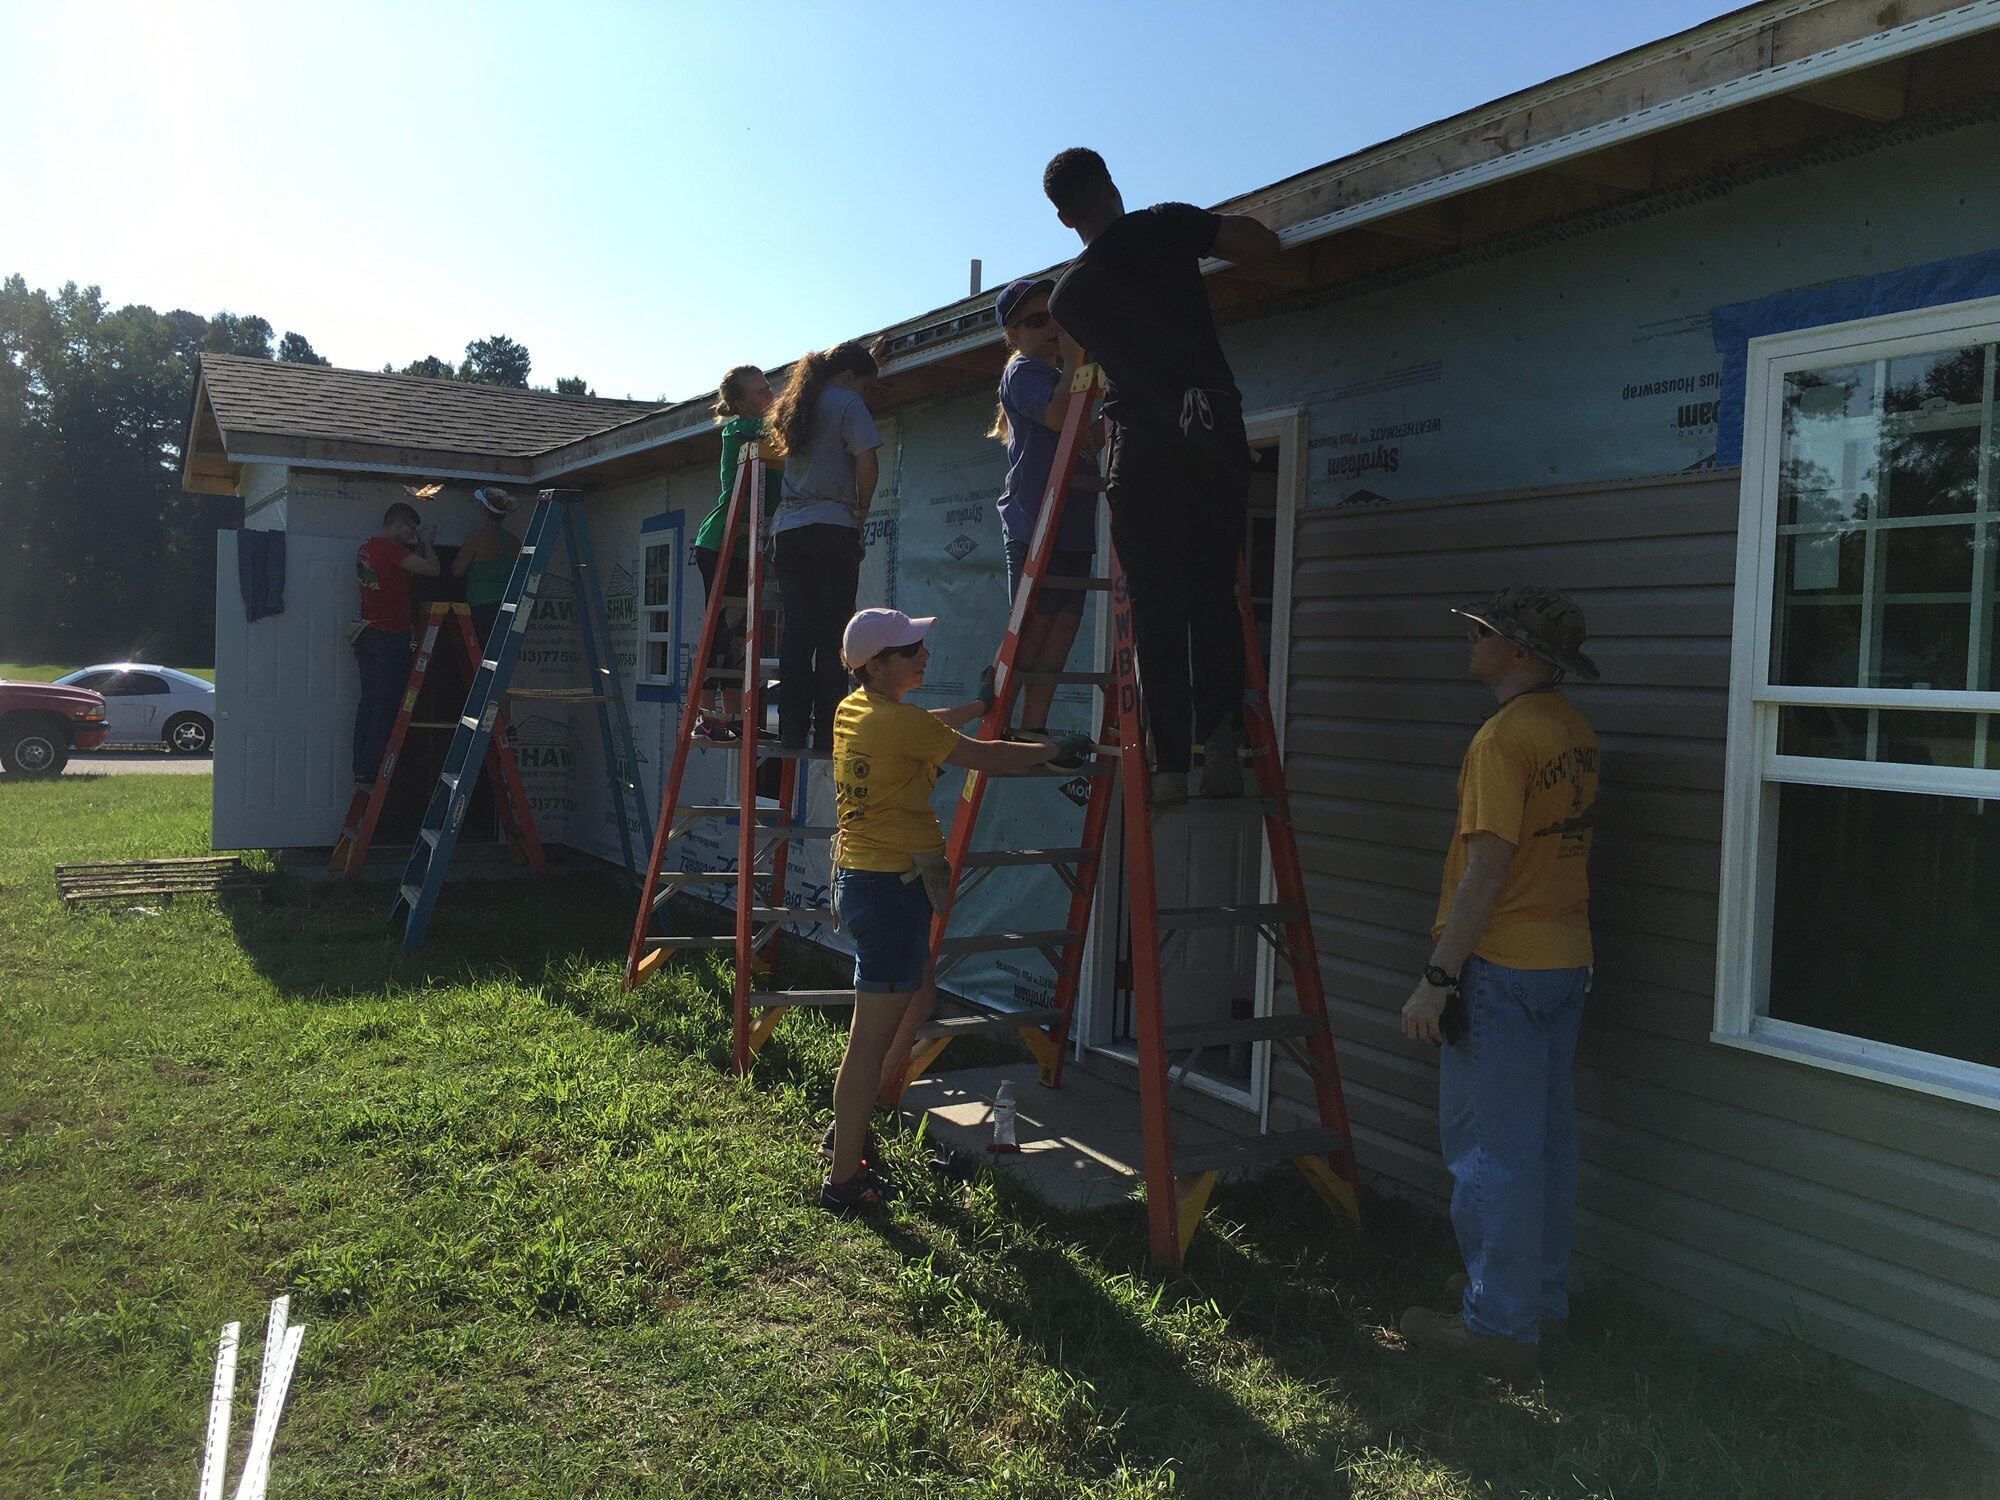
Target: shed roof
{"x":260,"y":409}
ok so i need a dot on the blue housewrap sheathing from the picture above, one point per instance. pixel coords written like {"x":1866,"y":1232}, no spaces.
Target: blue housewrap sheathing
{"x":1963,"y":278}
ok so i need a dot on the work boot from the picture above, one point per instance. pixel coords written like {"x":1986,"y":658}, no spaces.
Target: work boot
{"x":1446,"y":1334}
{"x":1169,"y":789}
{"x":1221,"y":769}
{"x":1555,"y":1331}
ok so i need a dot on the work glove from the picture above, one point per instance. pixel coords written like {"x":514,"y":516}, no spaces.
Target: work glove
{"x":1072,"y":750}
{"x":987,"y":692}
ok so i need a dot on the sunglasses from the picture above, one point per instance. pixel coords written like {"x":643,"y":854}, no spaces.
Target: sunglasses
{"x":910,"y":650}
{"x":1033,"y":320}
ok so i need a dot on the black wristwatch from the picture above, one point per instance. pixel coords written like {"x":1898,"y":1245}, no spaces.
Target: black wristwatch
{"x":1437,"y":978}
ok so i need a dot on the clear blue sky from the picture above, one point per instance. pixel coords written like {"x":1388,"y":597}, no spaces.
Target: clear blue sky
{"x":646,"y":193}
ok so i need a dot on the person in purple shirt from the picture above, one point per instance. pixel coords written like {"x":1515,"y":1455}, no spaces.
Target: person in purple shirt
{"x":1134,"y":299}
{"x":1034,"y":396}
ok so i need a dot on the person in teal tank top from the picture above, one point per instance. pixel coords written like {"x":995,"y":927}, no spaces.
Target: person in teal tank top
{"x":485,"y":559}
{"x":740,"y":403}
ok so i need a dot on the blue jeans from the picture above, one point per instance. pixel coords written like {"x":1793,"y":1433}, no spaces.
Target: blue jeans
{"x":889,"y":920}
{"x":1507,"y":1115}
{"x":384,"y":658}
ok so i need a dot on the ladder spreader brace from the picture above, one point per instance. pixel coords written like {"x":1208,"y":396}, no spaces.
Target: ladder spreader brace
{"x":1178,"y":1180}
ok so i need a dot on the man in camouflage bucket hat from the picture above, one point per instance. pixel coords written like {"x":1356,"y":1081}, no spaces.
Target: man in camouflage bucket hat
{"x":1512,"y":941}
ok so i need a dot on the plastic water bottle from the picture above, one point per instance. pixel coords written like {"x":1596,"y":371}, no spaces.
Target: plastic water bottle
{"x":1003,"y":1118}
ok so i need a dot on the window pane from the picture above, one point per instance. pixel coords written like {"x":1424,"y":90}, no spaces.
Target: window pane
{"x":1819,"y":645}
{"x":659,"y":663}
{"x":1928,"y":560}
{"x":1823,"y":561}
{"x":1906,"y":737}
{"x":659,"y":575}
{"x":1863,"y":597}
{"x":1923,"y":646}
{"x":1887,"y":919}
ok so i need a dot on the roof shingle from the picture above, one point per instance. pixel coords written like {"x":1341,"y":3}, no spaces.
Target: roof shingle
{"x":260,"y":397}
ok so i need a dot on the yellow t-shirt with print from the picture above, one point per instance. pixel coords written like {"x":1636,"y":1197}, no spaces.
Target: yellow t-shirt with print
{"x":885,"y":762}
{"x":1530,"y":776}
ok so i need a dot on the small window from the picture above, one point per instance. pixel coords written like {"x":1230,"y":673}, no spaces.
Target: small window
{"x":662,"y":561}
{"x":1862,"y":823}
{"x":144,"y":685}
{"x":95,"y":680}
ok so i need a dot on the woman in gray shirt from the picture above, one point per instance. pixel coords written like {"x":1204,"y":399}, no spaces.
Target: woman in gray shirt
{"x":829,"y":442}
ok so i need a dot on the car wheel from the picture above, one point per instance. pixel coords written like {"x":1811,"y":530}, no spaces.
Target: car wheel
{"x":33,"y":747}
{"x":189,"y":734}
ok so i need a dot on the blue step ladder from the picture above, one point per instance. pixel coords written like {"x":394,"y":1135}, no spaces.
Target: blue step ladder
{"x":558,"y":513}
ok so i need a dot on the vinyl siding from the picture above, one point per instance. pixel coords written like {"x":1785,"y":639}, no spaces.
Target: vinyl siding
{"x":1864,"y":1217}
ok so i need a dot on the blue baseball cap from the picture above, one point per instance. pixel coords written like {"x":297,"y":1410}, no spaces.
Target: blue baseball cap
{"x":1014,"y":293}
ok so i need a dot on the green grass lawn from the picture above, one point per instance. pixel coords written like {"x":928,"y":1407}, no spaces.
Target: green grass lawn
{"x":547,"y":1246}
{"x":25,"y":671}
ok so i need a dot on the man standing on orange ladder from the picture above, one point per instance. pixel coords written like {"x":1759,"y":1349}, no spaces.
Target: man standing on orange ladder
{"x":1512,"y":938}
{"x":1180,"y":463}
{"x":381,"y":638}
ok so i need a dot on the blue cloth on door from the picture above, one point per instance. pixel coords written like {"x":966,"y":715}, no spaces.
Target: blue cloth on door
{"x":260,"y":572}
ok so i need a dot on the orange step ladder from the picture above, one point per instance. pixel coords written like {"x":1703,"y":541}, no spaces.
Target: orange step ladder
{"x":364,"y":809}
{"x":766,"y":827}
{"x":1179,"y":1180}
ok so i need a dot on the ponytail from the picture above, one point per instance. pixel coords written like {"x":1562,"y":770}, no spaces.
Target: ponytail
{"x":795,"y":413}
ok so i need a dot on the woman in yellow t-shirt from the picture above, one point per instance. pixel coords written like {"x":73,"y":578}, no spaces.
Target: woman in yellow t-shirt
{"x":886,"y":755}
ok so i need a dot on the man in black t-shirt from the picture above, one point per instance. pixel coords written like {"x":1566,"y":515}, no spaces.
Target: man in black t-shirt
{"x":1180,"y":464}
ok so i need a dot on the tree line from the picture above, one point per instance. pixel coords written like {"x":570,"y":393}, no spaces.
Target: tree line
{"x":102,"y":554}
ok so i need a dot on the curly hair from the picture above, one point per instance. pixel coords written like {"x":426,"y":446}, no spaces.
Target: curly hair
{"x":730,"y":391}
{"x":795,"y":414}
{"x":1075,"y":178}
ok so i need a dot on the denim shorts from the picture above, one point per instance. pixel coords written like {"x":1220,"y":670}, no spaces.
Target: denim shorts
{"x":889,"y":921}
{"x":1062,"y":564}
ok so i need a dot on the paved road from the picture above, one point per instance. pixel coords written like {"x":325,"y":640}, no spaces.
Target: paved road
{"x":138,"y":763}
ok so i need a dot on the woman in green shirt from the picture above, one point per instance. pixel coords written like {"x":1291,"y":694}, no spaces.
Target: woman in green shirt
{"x":740,"y":403}
{"x":485,"y":559}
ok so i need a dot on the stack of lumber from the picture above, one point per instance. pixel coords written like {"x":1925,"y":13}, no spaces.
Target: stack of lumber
{"x":132,"y":879}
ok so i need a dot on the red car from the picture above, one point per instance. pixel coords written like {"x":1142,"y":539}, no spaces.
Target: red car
{"x":41,"y":723}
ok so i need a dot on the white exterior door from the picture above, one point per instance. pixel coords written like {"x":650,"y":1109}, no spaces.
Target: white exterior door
{"x":285,"y":690}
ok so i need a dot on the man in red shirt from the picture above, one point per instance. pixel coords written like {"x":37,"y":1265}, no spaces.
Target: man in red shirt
{"x":383,"y":566}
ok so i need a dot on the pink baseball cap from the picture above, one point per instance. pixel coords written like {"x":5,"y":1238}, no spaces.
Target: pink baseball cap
{"x":873,"y":631}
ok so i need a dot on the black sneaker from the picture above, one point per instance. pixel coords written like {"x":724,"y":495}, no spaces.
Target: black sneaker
{"x":863,"y":1193}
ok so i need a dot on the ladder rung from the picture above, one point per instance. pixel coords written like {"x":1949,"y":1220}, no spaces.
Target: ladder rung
{"x":1227,"y":916}
{"x":432,"y":724}
{"x":1095,"y":679}
{"x":1252,"y":1029}
{"x":1099,"y":767}
{"x":721,"y":810}
{"x":812,"y":999}
{"x":1056,"y":581}
{"x":560,"y":695}
{"x":791,"y":914}
{"x":410,"y":895}
{"x":1217,"y":806}
{"x":468,"y":721}
{"x":697,"y":940}
{"x":449,"y":778}
{"x":992,"y":859}
{"x":788,"y":832}
{"x":988,"y":1021}
{"x":999,"y":942}
{"x":1249,"y":1150}
{"x":430,"y":835}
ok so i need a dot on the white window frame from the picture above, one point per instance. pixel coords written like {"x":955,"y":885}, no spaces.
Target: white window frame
{"x":666,"y":540}
{"x":1755,"y":769}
